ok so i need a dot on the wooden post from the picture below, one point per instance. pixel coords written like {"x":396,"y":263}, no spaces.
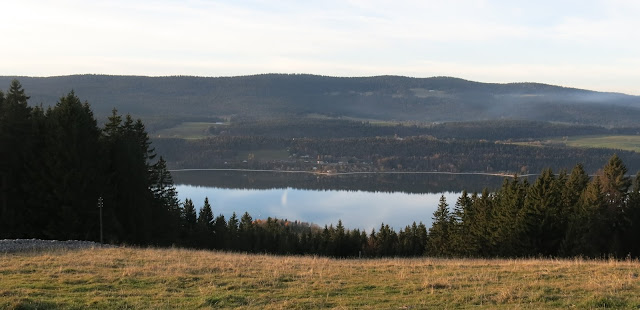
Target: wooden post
{"x":100,"y":204}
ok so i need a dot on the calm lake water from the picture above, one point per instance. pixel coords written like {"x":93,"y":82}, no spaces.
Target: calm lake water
{"x":362,"y":202}
{"x":356,"y":209}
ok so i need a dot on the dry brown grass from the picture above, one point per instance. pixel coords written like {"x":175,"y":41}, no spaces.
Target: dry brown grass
{"x":178,"y":278}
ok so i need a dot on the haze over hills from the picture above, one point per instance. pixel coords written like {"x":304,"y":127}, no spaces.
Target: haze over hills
{"x":389,"y":98}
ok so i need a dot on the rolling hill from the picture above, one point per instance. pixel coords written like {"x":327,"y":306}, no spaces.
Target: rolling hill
{"x":386,"y":98}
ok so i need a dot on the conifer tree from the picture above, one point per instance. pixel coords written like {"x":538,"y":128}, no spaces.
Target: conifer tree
{"x":505,"y":225}
{"x":220,"y":232}
{"x":246,"y":230}
{"x":205,"y":225}
{"x":611,"y":218}
{"x":480,"y":220}
{"x":339,"y":241}
{"x":135,"y":214}
{"x":233,"y":232}
{"x":574,"y":187}
{"x":583,"y":232}
{"x":189,"y":223}
{"x":544,"y":227}
{"x":72,"y":170}
{"x":463,"y":212}
{"x":189,"y":211}
{"x":205,"y":217}
{"x":15,"y":152}
{"x":572,"y":192}
{"x":387,"y":241}
{"x":631,"y":228}
{"x":166,"y":205}
{"x":439,"y":233}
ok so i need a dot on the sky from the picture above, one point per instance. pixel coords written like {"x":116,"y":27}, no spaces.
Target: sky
{"x":592,"y":44}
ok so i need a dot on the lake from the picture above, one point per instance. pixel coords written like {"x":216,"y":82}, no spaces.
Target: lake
{"x":360,"y":201}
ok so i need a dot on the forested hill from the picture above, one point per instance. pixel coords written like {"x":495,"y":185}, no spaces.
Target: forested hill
{"x":438,"y":99}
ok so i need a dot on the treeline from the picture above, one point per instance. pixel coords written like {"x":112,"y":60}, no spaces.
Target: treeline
{"x":563,"y":215}
{"x":558,"y":215}
{"x":427,"y":154}
{"x":381,"y":154}
{"x":279,"y":236}
{"x":56,"y":163}
{"x":407,"y":183}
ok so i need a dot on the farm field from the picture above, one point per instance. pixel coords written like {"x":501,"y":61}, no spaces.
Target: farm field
{"x":187,"y":130}
{"x":622,"y":142}
{"x":115,"y":278}
{"x":629,"y":143}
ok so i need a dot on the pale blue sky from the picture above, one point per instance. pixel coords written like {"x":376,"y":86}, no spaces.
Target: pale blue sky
{"x":592,"y":44}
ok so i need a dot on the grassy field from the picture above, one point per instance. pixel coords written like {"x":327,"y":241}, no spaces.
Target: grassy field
{"x":116,"y":278}
{"x":629,"y":143}
{"x":187,"y":130}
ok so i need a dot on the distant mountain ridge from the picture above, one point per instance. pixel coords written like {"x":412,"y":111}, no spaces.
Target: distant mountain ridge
{"x":389,"y":98}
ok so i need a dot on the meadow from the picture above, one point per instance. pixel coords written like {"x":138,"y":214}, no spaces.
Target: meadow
{"x":116,"y":278}
{"x":187,"y":130}
{"x":616,"y":142}
{"x":629,"y":143}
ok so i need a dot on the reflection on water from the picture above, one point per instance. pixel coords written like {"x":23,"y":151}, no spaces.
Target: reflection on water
{"x":408,"y":183}
{"x":356,"y":209}
{"x":362,"y":202}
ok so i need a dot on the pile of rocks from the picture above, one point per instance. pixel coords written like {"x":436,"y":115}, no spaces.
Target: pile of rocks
{"x":23,"y":245}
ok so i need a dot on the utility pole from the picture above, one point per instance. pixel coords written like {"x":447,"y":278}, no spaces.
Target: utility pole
{"x":100,"y":205}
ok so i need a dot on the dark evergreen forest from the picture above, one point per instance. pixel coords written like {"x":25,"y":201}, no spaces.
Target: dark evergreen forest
{"x":56,"y":163}
{"x":418,"y":153}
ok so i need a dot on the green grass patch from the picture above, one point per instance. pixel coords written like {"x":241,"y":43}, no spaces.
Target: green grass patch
{"x":187,"y":130}
{"x":226,"y":301}
{"x":627,"y":143}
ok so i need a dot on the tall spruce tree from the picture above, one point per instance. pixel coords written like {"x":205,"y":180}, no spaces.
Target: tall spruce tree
{"x":631,"y":228}
{"x":72,"y":170}
{"x":166,"y":206}
{"x":233,"y":233}
{"x":461,"y":238}
{"x":506,"y":218}
{"x":480,"y":220}
{"x":16,"y":144}
{"x":439,"y":243}
{"x":611,"y":218}
{"x":544,"y":227}
{"x":246,"y":229}
{"x":572,"y":192}
{"x":130,"y":215}
{"x":584,"y":235}
{"x":189,"y":223}
{"x":205,"y":225}
{"x":220,"y":232}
